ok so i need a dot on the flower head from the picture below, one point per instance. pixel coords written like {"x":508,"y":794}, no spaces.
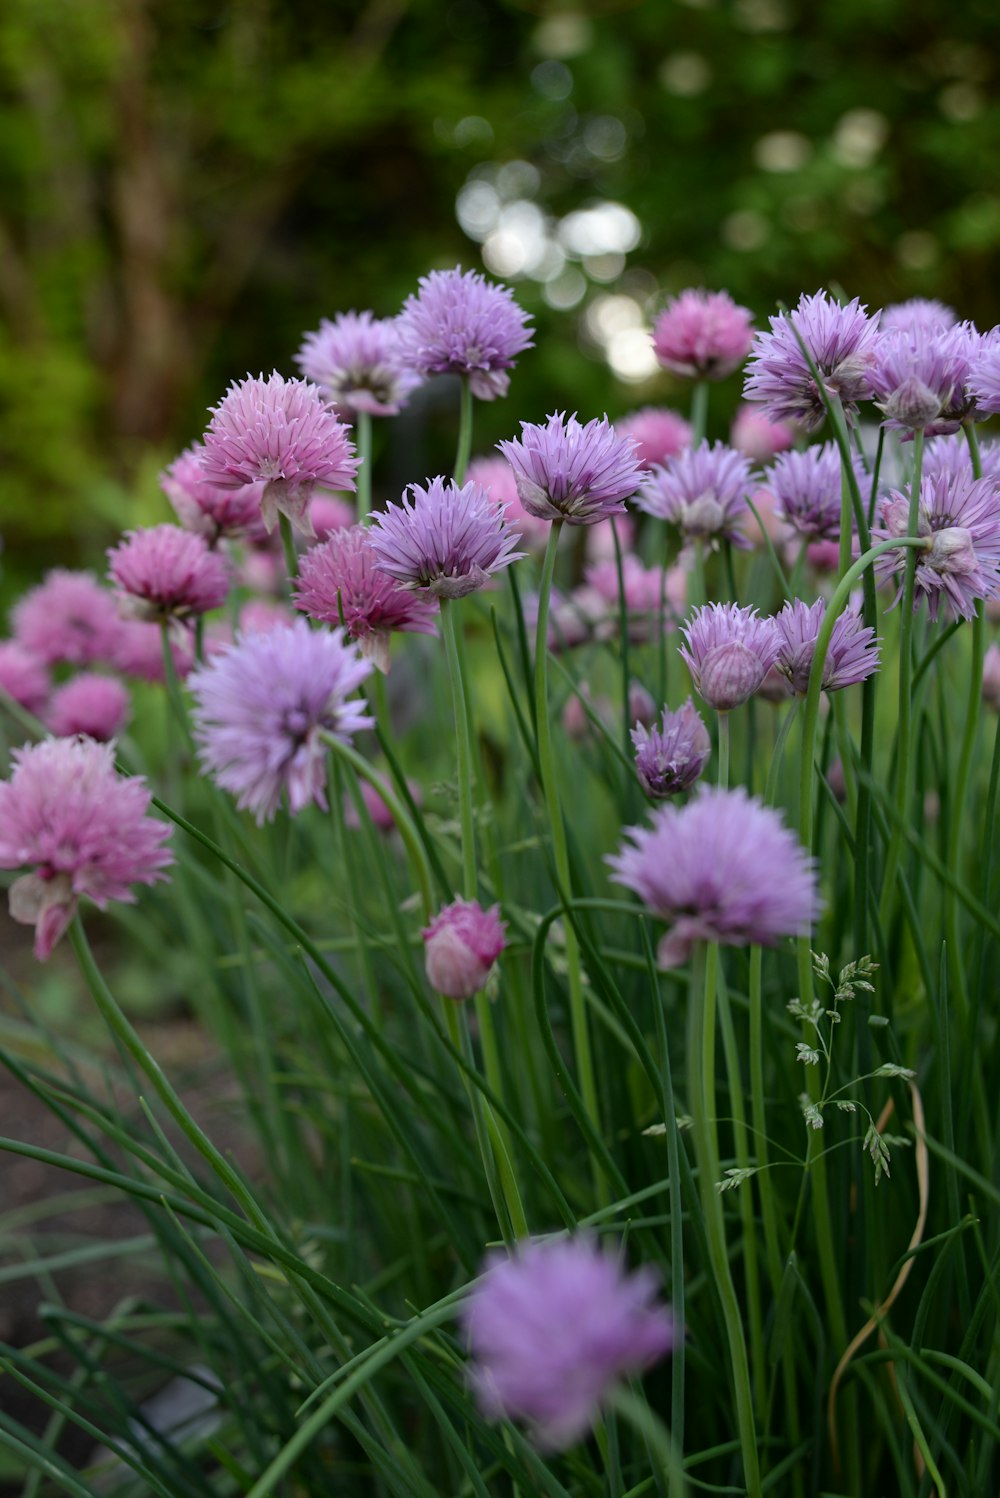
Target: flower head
{"x":206,"y":508}
{"x":984,"y":376}
{"x":139,"y":650}
{"x":567,"y":471}
{"x":554,"y":1328}
{"x":919,"y":316}
{"x":461,"y":945}
{"x":83,"y":828}
{"x":340,"y":583}
{"x":757,"y":438}
{"x":279,"y":433}
{"x":919,"y":379}
{"x":166,"y":573}
{"x":89,"y":704}
{"x":841,"y":342}
{"x":851,"y":656}
{"x":670,"y":758}
{"x":263,"y":706}
{"x":723,"y":868}
{"x":806,"y":487}
{"x":703,"y":334}
{"x":657,"y":432}
{"x":357,"y":362}
{"x":730,"y":651}
{"x":447,"y":539}
{"x":703,"y":491}
{"x":460,"y":323}
{"x":23,"y":676}
{"x":961,"y":521}
{"x":68,"y":618}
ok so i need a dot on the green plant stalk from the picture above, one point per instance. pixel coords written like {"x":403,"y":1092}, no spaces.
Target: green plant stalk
{"x":288,"y":547}
{"x":699,"y":412}
{"x":723,"y":768}
{"x":560,"y":853}
{"x":343,"y":852}
{"x":662,"y":1448}
{"x":464,"y":446}
{"x":623,"y":644}
{"x":363,"y":448}
{"x":701,"y":1101}
{"x":174,"y":695}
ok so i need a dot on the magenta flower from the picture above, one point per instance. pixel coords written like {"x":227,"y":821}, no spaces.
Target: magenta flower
{"x":723,"y":868}
{"x":207,"y":509}
{"x":703,"y":334}
{"x":670,"y":758}
{"x":961,"y":521}
{"x":328,"y":514}
{"x":851,"y":656}
{"x":461,"y":945}
{"x":918,"y":379}
{"x":262,"y":707}
{"x":447,"y":539}
{"x":139,"y":651}
{"x":703,"y":491}
{"x":841,"y":341}
{"x":730,"y":651}
{"x":554,"y":1328}
{"x":165,"y":573}
{"x":919,"y":317}
{"x":566,"y":471}
{"x":357,"y":362}
{"x":340,"y":583}
{"x":280,"y":433}
{"x":23,"y":676}
{"x":68,"y":618}
{"x":657,"y":432}
{"x":84,"y":829}
{"x":460,"y":323}
{"x":757,"y":438}
{"x":496,"y":476}
{"x":93,"y":705}
{"x":806,"y":487}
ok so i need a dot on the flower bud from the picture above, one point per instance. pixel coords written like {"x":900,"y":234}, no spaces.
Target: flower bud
{"x":460,"y":946}
{"x":730,"y":674}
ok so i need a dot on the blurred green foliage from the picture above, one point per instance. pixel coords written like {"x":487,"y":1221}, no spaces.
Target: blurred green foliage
{"x":187,"y":185}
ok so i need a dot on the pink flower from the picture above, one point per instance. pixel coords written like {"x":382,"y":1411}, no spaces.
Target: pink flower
{"x":96,"y":706}
{"x":357,"y":361}
{"x":461,"y":944}
{"x":165,"y":573}
{"x":757,"y":438}
{"x":703,"y":334}
{"x":657,"y":432}
{"x":207,"y":509}
{"x":68,"y":618}
{"x":84,"y":828}
{"x":23,"y":676}
{"x":329,"y":514}
{"x":139,"y":651}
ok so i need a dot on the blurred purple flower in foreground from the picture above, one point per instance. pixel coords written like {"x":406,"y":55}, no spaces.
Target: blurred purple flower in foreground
{"x":460,"y":323}
{"x":702,"y":334}
{"x":461,"y":945}
{"x":357,"y":362}
{"x":567,"y":471}
{"x":447,"y":539}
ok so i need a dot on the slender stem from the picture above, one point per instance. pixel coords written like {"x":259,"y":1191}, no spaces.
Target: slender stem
{"x":662,"y":1448}
{"x":699,"y":412}
{"x":876,"y":470}
{"x":464,"y":447}
{"x":173,"y":685}
{"x":363,"y":447}
{"x":288,"y":546}
{"x":464,"y":750}
{"x":560,"y":852}
{"x":623,"y":640}
{"x":723,"y":779}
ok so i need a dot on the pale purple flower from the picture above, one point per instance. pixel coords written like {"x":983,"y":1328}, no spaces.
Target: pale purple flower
{"x":991,"y":678}
{"x":139,"y":650}
{"x":757,"y":438}
{"x":567,"y":471}
{"x":165,"y":573}
{"x":23,"y":676}
{"x":670,"y":758}
{"x":984,"y":376}
{"x":554,"y":1328}
{"x":68,"y":618}
{"x":645,"y":588}
{"x":447,"y":539}
{"x":84,"y":830}
{"x":461,"y":945}
{"x":89,"y":704}
{"x":724,"y":868}
{"x":658,"y":433}
{"x":703,"y":491}
{"x":702,"y":334}
{"x":919,"y":316}
{"x":262,"y":706}
{"x":460,"y":323}
{"x":496,"y":476}
{"x":340,"y":583}
{"x":329,"y":514}
{"x":918,"y":379}
{"x":357,"y":362}
{"x":961,"y":521}
{"x":949,"y":457}
{"x":207,"y":509}
{"x":852,"y":654}
{"x":807,"y":488}
{"x":841,"y":341}
{"x":280,"y":433}
{"x":730,"y":651}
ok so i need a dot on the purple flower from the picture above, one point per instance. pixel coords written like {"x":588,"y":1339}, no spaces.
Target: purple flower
{"x":703,"y":334}
{"x":93,"y":705}
{"x":357,"y":362}
{"x":23,"y":676}
{"x":566,"y":471}
{"x":447,"y":539}
{"x":166,"y":573}
{"x":918,"y":379}
{"x":68,"y":618}
{"x":703,"y":491}
{"x":657,"y":432}
{"x":730,"y":651}
{"x":262,"y":707}
{"x":961,"y":520}
{"x":984,"y":376}
{"x":757,"y":438}
{"x":991,"y":678}
{"x":203,"y":507}
{"x":340,"y":583}
{"x":84,"y":829}
{"x":461,"y":945}
{"x":918,"y":317}
{"x":554,"y":1328}
{"x":949,"y":458}
{"x":139,"y":651}
{"x":806,"y":487}
{"x":460,"y":323}
{"x":841,"y":341}
{"x":280,"y":433}
{"x":851,"y":656}
{"x":670,"y":758}
{"x":723,"y":868}
{"x":496,"y":476}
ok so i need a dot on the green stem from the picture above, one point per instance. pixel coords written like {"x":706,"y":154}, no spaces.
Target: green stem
{"x":699,"y":412}
{"x":723,"y":779}
{"x":463,"y":744}
{"x":464,"y":448}
{"x":662,"y":1449}
{"x":173,"y":685}
{"x":288,"y":546}
{"x":363,"y":447}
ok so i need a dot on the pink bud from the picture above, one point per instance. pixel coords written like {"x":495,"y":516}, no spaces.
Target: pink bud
{"x":460,"y":946}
